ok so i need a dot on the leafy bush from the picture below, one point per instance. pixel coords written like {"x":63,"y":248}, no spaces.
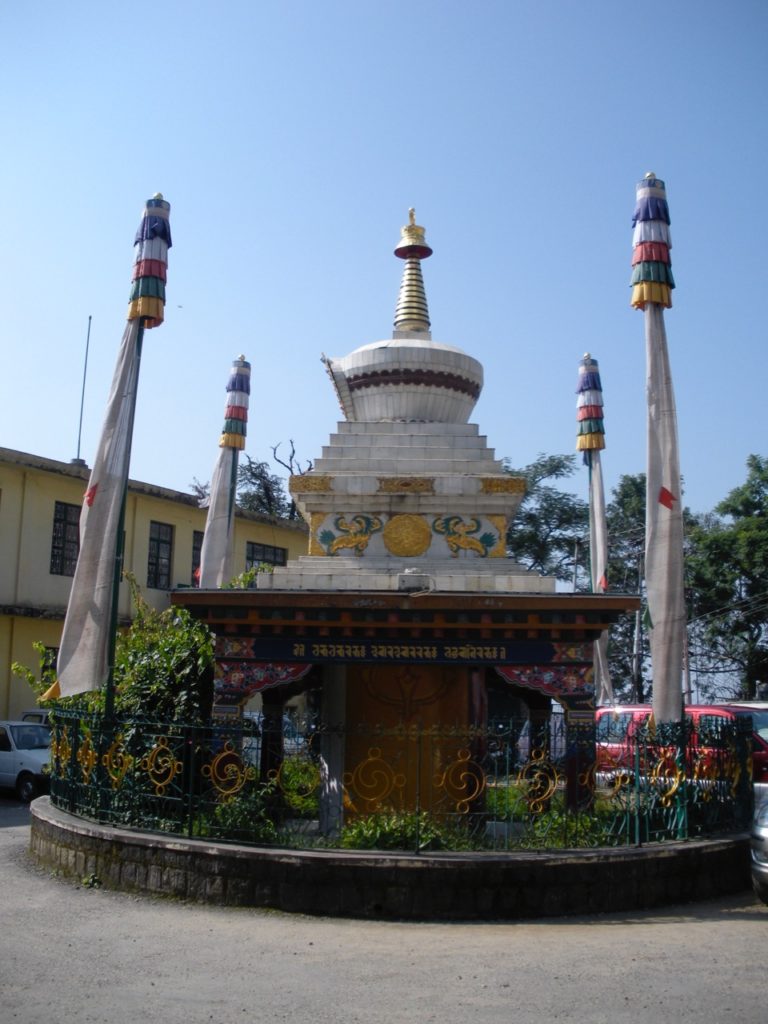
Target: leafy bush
{"x":246,"y":817}
{"x":47,"y":671}
{"x":164,"y":665}
{"x":246,"y":580}
{"x":402,"y":831}
{"x":557,"y":828}
{"x":505,"y":802}
{"x":299,"y":780}
{"x":163,"y":668}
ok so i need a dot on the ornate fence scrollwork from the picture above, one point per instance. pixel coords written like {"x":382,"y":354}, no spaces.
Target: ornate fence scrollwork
{"x":61,"y":750}
{"x":117,"y":761}
{"x":161,"y":765}
{"x":87,"y":757}
{"x":372,"y":783}
{"x":541,"y":779}
{"x":227,"y":771}
{"x":463,"y":781}
{"x":666,"y":776}
{"x":475,"y":788}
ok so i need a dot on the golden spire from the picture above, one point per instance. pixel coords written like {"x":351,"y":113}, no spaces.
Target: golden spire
{"x":411,"y":312}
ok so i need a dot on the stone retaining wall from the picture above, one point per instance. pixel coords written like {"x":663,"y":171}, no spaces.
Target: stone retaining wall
{"x":477,"y":886}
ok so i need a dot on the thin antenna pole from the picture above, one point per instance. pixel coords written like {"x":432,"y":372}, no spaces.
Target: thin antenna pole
{"x":82,"y":393}
{"x":576,"y":552}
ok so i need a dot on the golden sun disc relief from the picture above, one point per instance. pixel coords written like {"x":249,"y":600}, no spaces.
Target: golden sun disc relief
{"x":407,"y":535}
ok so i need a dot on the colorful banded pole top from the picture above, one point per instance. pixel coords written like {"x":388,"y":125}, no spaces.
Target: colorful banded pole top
{"x":652,"y":280}
{"x":150,"y":266}
{"x":589,"y":407}
{"x":236,"y":411}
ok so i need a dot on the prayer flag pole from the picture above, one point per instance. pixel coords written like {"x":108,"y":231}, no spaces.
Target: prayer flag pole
{"x":652,"y":285}
{"x":86,"y":654}
{"x":216,"y":553}
{"x":591,"y":441}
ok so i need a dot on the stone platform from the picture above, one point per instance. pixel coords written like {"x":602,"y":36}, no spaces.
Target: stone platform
{"x":425,"y":887}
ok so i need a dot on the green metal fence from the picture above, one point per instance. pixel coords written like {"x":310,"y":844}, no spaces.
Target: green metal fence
{"x":508,"y":786}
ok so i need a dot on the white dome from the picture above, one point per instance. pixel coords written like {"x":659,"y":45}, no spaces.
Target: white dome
{"x":408,"y":379}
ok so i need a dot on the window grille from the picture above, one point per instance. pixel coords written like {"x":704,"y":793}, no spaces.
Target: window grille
{"x":256,"y":554}
{"x":65,"y":540}
{"x":160,"y":556}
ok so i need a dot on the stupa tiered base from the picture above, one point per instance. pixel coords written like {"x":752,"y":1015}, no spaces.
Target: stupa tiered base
{"x":407,"y":498}
{"x":446,"y":575}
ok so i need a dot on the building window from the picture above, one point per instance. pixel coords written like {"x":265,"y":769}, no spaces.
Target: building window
{"x":65,"y":542}
{"x":197,"y":547}
{"x":160,"y":555}
{"x":256,"y":554}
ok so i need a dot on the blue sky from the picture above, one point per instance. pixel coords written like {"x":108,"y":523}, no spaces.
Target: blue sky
{"x":290,"y":140}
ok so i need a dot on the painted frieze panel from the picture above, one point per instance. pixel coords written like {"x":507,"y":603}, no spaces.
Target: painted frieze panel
{"x":465,"y":534}
{"x":408,"y":535}
{"x":348,"y":534}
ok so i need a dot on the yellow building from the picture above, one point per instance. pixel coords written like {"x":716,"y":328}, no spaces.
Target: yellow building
{"x":40,"y":502}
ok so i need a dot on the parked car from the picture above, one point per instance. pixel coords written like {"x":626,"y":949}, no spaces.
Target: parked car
{"x":25,"y":749}
{"x":759,"y":712}
{"x":759,"y":852}
{"x":617,"y":728}
{"x":40,"y":715}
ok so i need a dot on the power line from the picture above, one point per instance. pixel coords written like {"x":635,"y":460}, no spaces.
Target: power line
{"x":745,"y":605}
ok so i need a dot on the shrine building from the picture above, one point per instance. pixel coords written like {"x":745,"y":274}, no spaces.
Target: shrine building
{"x":406,"y":610}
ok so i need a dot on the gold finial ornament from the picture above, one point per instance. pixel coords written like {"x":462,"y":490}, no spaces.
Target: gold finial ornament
{"x":411,"y":312}
{"x":412,"y":240}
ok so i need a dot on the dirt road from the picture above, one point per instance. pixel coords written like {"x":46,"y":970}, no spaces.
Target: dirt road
{"x":70,"y":953}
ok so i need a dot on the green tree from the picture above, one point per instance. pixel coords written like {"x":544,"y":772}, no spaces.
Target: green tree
{"x":294,"y":467}
{"x":550,"y":523}
{"x":164,"y":665}
{"x":728,"y":568}
{"x":625,"y":513}
{"x":47,"y":671}
{"x":260,"y":491}
{"x":625,"y":517}
{"x":163,"y":668}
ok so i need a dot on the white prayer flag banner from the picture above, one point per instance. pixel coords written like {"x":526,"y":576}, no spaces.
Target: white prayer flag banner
{"x":83,"y":653}
{"x":90,"y":622}
{"x":663,"y":527}
{"x":216,"y":553}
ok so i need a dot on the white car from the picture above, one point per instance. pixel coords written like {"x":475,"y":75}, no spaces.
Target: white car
{"x":25,"y":749}
{"x":759,"y":852}
{"x":40,"y":715}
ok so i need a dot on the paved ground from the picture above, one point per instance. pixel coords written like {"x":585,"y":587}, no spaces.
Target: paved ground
{"x":69,"y":953}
